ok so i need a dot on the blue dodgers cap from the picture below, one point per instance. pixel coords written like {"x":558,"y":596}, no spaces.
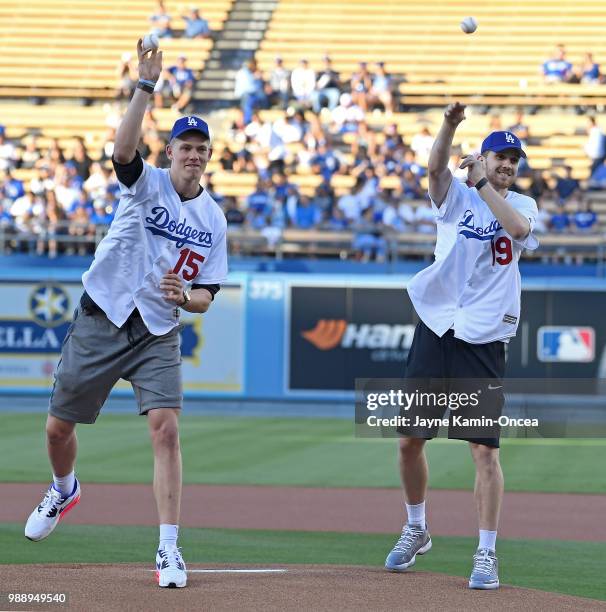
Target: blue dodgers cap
{"x":188,"y":124}
{"x":499,"y":141}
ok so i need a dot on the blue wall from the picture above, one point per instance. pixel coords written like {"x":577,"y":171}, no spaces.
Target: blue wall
{"x":266,"y":315}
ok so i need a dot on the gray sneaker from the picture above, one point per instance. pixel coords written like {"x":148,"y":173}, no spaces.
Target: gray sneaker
{"x":415,"y":540}
{"x":485,"y":574}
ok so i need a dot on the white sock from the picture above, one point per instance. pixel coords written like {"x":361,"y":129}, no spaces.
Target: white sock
{"x":65,"y":484}
{"x":416,"y":514}
{"x":488,"y":539}
{"x":168,"y":535}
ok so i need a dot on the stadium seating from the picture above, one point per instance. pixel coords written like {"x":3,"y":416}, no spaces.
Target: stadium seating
{"x":71,"y":48}
{"x":559,"y":136}
{"x":422,"y":41}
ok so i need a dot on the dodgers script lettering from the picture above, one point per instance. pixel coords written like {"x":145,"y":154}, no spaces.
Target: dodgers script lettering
{"x":180,"y":232}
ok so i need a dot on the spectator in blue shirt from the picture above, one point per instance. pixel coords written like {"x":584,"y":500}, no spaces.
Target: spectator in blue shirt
{"x":410,"y":163}
{"x":307,"y":215}
{"x":195,"y":25}
{"x":567,"y":186}
{"x":12,"y":187}
{"x":336,"y":221}
{"x":282,"y":187}
{"x":597,"y":180}
{"x":560,"y":221}
{"x":324,"y":199}
{"x":177,"y":83}
{"x":260,"y":201}
{"x":585,"y":219}
{"x":245,"y":89}
{"x":393,"y":139}
{"x":103,"y":210}
{"x":591,"y":70}
{"x":557,"y":68}
{"x":82,"y":201}
{"x":411,"y":186}
{"x":324,"y":162}
{"x":160,"y":21}
{"x":233,"y":214}
{"x":368,"y":240}
{"x":6,"y":220}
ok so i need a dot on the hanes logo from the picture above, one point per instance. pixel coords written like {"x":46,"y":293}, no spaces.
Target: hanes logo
{"x":330,"y":333}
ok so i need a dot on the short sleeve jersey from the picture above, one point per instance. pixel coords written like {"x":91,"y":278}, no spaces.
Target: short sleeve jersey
{"x":474,"y":284}
{"x":153,"y":233}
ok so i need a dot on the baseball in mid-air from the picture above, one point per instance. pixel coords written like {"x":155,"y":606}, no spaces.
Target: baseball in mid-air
{"x":469,"y":25}
{"x":150,"y":41}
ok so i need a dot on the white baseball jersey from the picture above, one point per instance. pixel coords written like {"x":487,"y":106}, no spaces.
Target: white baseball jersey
{"x":474,"y":284}
{"x":153,"y":233}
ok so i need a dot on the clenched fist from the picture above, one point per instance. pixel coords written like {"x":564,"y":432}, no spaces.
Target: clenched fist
{"x":172,"y":288}
{"x":454,"y":113}
{"x":476,"y":167}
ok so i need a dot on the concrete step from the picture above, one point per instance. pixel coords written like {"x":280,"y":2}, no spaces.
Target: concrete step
{"x":241,"y":35}
{"x":230,"y":63}
{"x":250,"y":16}
{"x":255,"y":26}
{"x":225,"y":84}
{"x":251,"y":45}
{"x":254,"y":5}
{"x":214,"y":95}
{"x":219,"y":73}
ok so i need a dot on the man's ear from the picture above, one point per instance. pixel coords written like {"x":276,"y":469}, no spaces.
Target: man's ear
{"x":210,"y":153}
{"x":169,"y":151}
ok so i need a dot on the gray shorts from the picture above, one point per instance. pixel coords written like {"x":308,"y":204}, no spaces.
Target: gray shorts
{"x":96,"y":354}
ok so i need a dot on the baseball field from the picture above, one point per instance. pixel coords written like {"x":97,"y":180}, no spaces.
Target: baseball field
{"x":307,"y":506}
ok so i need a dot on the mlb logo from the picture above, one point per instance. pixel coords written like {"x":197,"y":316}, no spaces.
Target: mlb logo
{"x":563,"y":343}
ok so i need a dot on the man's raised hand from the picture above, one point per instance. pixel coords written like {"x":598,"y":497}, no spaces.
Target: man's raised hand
{"x":150,"y":63}
{"x":455,"y":113}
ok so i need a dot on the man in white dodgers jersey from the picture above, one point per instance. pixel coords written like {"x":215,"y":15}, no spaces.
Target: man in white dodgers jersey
{"x":468,"y":303}
{"x":165,"y":251}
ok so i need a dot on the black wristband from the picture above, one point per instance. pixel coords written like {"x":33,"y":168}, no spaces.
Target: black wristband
{"x":481,"y":183}
{"x":144,"y":85}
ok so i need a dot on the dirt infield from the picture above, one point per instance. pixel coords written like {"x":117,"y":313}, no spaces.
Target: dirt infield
{"x":450,"y":513}
{"x":97,"y":588}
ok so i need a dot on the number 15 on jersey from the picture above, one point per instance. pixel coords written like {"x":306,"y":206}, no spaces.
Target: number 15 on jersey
{"x":189,"y":260}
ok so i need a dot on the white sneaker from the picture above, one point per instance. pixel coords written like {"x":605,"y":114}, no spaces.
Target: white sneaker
{"x":49,"y":512}
{"x":170,"y":568}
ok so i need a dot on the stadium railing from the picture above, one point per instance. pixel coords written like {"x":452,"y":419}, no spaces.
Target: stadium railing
{"x":292,"y":243}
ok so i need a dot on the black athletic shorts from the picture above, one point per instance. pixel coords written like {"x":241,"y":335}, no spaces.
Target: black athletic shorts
{"x":448,"y":365}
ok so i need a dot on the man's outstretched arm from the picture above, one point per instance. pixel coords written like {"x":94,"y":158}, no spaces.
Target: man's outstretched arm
{"x":128,"y":134}
{"x":439,"y":174}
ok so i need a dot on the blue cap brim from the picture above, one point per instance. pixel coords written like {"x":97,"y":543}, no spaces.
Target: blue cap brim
{"x":498,"y":148}
{"x":191,"y":129}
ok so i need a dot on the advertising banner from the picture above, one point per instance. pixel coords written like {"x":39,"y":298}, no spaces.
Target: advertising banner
{"x":35,"y":317}
{"x":338,"y":334}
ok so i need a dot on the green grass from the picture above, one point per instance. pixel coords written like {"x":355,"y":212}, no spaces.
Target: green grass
{"x":299,"y":452}
{"x":574,"y":568}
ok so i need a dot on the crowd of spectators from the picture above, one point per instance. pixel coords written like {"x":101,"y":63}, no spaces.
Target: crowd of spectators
{"x":322,"y":131}
{"x":72,"y":195}
{"x":311,"y":90}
